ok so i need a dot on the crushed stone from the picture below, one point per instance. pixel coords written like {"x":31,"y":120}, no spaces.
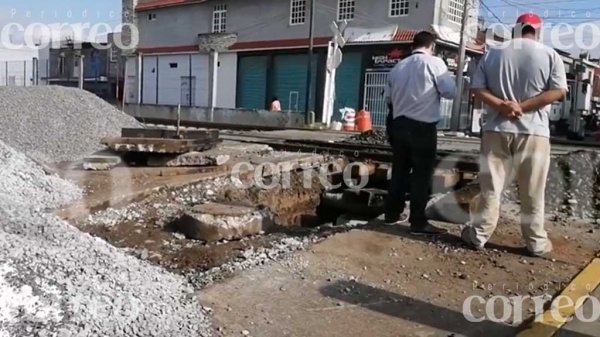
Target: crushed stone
{"x":99,"y":289}
{"x":56,"y":124}
{"x":58,"y":281}
{"x":25,"y":183}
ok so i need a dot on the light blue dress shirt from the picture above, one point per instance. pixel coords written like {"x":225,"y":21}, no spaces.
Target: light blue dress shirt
{"x":416,"y":85}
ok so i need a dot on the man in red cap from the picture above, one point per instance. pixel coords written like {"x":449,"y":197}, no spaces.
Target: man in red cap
{"x":518,"y":81}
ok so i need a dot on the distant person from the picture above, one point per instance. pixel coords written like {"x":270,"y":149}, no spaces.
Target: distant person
{"x":518,"y":82}
{"x":416,"y":85}
{"x":275,"y":105}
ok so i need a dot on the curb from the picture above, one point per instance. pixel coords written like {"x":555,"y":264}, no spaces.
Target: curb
{"x":585,"y":283}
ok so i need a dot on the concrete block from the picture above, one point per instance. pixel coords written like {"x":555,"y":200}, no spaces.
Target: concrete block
{"x":204,"y":134}
{"x":158,"y":145}
{"x":444,"y":180}
{"x":214,"y":222}
{"x":100,"y":163}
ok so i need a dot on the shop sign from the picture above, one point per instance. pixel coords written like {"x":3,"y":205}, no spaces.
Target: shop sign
{"x":388,"y":58}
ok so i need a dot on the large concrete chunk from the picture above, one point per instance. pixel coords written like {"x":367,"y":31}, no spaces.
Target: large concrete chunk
{"x":100,"y":163}
{"x":214,"y":222}
{"x":158,"y":145}
{"x":204,"y":134}
{"x":214,"y":157}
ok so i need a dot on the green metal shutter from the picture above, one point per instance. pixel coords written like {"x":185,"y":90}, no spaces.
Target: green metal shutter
{"x":289,"y":76}
{"x":252,"y":82}
{"x":347,"y":82}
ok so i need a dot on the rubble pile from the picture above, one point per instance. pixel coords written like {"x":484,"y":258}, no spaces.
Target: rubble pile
{"x":58,"y":281}
{"x":573,"y":185}
{"x":55,"y":124}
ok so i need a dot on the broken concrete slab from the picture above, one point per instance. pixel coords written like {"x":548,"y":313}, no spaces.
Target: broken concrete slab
{"x":215,"y":222}
{"x":214,"y":157}
{"x":158,"y":145}
{"x":168,"y":133}
{"x":100,"y":163}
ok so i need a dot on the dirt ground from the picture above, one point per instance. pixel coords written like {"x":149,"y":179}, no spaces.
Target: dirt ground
{"x":380,"y":281}
{"x":146,"y":227}
{"x":370,"y":281}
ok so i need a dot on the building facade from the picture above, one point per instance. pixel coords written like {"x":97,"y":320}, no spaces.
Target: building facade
{"x":270,"y":56}
{"x":17,"y":66}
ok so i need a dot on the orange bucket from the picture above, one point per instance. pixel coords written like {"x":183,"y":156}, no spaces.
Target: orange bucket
{"x":363,"y":121}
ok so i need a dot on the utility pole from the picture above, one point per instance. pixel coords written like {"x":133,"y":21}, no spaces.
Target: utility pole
{"x":81,"y":70}
{"x":457,"y":104}
{"x":313,"y":4}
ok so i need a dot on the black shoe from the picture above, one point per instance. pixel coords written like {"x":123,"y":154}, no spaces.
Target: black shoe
{"x":427,"y":229}
{"x":389,"y":221}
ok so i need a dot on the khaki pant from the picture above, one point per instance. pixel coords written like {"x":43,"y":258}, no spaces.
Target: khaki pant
{"x":505,"y":156}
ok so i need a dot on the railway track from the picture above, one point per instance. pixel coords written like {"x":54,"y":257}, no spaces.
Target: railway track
{"x":564,"y":143}
{"x":457,"y":153}
{"x":467,"y":162}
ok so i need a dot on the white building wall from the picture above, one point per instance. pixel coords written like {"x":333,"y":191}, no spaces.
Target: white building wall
{"x":227,"y":80}
{"x":169,"y":71}
{"x":16,"y":66}
{"x":131,"y":85}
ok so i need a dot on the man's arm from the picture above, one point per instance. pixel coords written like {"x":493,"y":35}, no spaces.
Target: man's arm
{"x":557,"y":88}
{"x":488,"y":98}
{"x":480,"y":89}
{"x":544,"y":99}
{"x":507,"y":108}
{"x":445,"y":84}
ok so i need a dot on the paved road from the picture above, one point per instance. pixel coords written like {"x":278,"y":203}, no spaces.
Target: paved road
{"x":577,"y":328}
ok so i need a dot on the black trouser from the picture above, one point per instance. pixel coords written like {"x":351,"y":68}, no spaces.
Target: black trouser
{"x":414,"y":145}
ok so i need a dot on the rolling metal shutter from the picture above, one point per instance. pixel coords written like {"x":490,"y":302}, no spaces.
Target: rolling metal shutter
{"x":348,"y":81}
{"x":289,"y":76}
{"x":252,"y":82}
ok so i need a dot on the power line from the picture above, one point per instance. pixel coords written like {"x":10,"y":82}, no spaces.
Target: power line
{"x":543,"y":3}
{"x":492,"y":12}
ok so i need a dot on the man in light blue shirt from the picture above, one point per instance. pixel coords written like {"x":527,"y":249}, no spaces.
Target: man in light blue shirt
{"x":416,"y":85}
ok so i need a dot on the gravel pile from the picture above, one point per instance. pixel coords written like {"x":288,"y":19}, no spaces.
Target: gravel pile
{"x":55,"y":124}
{"x":74,"y":284}
{"x":573,"y":185}
{"x":58,"y":281}
{"x":24,"y":183}
{"x":377,"y":137}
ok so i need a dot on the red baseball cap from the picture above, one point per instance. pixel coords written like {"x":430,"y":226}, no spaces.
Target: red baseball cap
{"x":530,"y":19}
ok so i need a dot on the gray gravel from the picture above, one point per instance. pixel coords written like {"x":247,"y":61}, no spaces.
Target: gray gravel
{"x":58,"y":281}
{"x":55,"y":124}
{"x":24,"y":183}
{"x":83,"y":286}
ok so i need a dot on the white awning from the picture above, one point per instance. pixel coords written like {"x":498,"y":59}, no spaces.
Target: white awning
{"x":357,"y":34}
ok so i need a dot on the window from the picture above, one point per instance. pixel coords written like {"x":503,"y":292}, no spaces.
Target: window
{"x":220,"y":19}
{"x":398,"y":8}
{"x":455,"y":10}
{"x":345,"y":10}
{"x":173,"y":65}
{"x":151,"y":16}
{"x":297,"y":12}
